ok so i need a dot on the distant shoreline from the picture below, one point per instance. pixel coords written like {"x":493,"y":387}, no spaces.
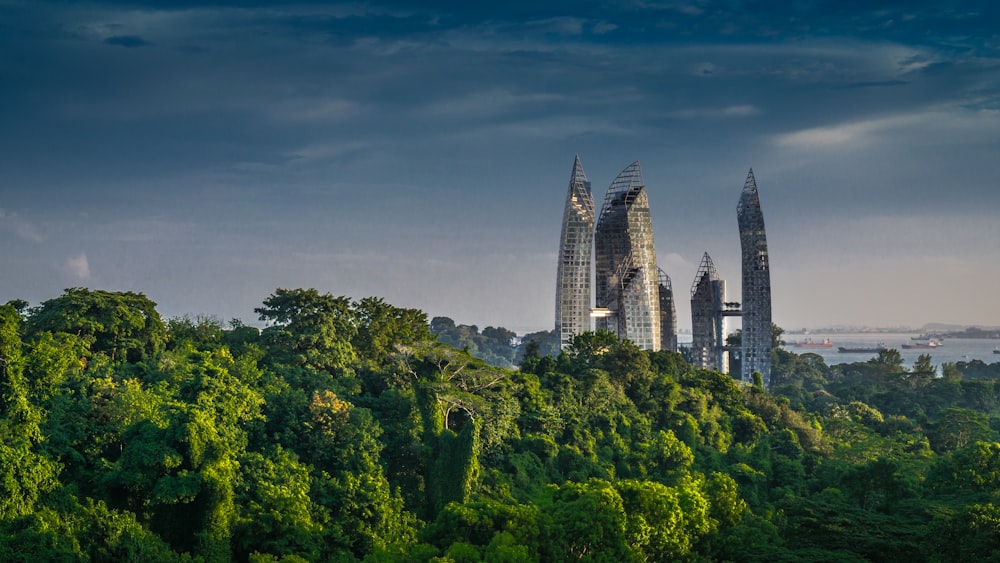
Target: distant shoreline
{"x":991,"y":332}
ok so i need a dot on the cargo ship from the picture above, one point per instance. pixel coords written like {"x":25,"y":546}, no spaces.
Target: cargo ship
{"x":881,"y":346}
{"x":922,"y":345}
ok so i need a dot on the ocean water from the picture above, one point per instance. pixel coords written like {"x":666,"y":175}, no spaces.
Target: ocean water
{"x":952,"y":350}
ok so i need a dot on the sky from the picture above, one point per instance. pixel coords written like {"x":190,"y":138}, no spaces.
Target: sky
{"x":206,"y":154}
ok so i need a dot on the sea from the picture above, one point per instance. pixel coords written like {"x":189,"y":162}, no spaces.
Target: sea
{"x":952,"y":350}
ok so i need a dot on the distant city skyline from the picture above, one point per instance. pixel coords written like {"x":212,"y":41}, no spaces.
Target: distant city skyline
{"x":208,"y":154}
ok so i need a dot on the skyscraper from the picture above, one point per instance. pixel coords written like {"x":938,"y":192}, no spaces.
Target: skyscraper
{"x":575,"y":250}
{"x":756,"y":344}
{"x":627,"y":281}
{"x":708,"y":297}
{"x":668,"y":314}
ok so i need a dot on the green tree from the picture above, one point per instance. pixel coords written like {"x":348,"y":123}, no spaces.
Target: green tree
{"x":275,"y":511}
{"x":309,"y":329}
{"x":664,"y":523}
{"x":383,"y":328}
{"x":924,"y":366}
{"x":585,"y":522}
{"x":958,"y":428}
{"x":124,"y":326}
{"x":971,"y":535}
{"x":888,"y":360}
{"x":25,"y":474}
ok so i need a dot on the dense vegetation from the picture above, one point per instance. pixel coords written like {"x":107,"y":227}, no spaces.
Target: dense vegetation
{"x":346,"y":431}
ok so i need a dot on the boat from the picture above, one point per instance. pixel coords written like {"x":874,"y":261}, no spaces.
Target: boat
{"x":996,"y":350}
{"x":808,"y":343}
{"x":922,"y":345}
{"x":844,"y":350}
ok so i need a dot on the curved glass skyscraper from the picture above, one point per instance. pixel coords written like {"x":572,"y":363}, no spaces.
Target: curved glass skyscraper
{"x":668,"y":314}
{"x":575,"y":250}
{"x":708,"y":296}
{"x":757,"y":328}
{"x":626,"y":272}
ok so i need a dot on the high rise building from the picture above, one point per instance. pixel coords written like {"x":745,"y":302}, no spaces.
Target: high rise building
{"x":756,"y":342}
{"x":668,"y":314}
{"x":575,"y":251}
{"x":626,"y":273}
{"x":708,"y":298}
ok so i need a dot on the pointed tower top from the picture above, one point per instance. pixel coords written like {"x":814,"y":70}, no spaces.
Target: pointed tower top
{"x":630,"y":177}
{"x":751,"y":183}
{"x":624,"y":189}
{"x":578,"y":174}
{"x":664,"y":279}
{"x":707,"y":268}
{"x":749,"y":197}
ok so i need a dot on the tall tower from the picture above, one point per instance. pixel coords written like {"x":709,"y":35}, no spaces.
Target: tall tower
{"x":756,"y":345}
{"x":575,"y":250}
{"x":668,"y":314}
{"x":627,"y":281}
{"x":708,"y":298}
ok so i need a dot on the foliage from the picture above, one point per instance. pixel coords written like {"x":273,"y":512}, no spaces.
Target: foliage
{"x":350,"y":430}
{"x":494,"y":345}
{"x":121,"y":325}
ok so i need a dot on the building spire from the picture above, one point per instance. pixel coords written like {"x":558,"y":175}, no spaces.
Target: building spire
{"x":707,"y":268}
{"x":751,"y":183}
{"x":630,"y":177}
{"x":578,"y":175}
{"x":749,"y":197}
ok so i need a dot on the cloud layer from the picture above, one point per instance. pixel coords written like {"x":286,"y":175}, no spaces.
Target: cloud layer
{"x":208,"y":154}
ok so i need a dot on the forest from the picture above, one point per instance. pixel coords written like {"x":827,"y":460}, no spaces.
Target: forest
{"x":348,"y":431}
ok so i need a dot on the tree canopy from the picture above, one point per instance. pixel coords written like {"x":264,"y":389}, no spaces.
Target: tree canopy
{"x":353,"y":430}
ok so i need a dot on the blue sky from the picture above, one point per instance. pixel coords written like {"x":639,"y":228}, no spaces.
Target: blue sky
{"x":207,"y":153}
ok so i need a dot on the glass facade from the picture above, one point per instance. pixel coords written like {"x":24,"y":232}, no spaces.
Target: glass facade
{"x":668,"y":314}
{"x":575,"y":251}
{"x":708,"y":296}
{"x":757,"y":328}
{"x":627,"y":281}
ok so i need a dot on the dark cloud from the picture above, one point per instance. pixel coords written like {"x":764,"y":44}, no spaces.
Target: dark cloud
{"x":443,"y":133}
{"x":876,"y":84}
{"x":129,"y":41}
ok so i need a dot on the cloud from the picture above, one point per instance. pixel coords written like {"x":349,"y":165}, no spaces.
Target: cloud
{"x":855,"y":133}
{"x":875,"y":84}
{"x":945,"y":123}
{"x":564,"y":25}
{"x":602,"y":27}
{"x":489,"y":103}
{"x":12,"y":223}
{"x":673,"y":263}
{"x":314,"y":109}
{"x":129,"y":41}
{"x":825,"y":136}
{"x":558,"y":127}
{"x":145,"y":230}
{"x":78,"y":267}
{"x":744,"y":110}
{"x":327,"y":151}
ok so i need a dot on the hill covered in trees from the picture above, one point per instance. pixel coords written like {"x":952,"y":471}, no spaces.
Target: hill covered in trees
{"x":346,"y":431}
